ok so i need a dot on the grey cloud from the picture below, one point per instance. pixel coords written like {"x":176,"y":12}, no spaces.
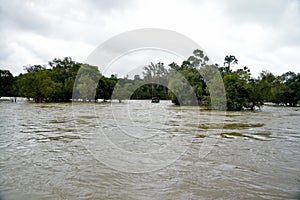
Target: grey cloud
{"x":5,"y":51}
{"x":89,"y":21}
{"x":4,"y":47}
{"x":69,"y":20}
{"x":268,"y":12}
{"x":108,"y":5}
{"x":21,"y":16}
{"x":281,"y":18}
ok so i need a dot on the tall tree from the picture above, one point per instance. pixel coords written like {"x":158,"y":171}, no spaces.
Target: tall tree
{"x":34,"y":68}
{"x":86,"y":82}
{"x":39,"y":86}
{"x":6,"y":83}
{"x":156,"y":74}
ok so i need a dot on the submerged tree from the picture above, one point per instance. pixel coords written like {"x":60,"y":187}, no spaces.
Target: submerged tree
{"x":193,"y":82}
{"x":190,"y":70}
{"x":241,"y":88}
{"x":122,"y":92}
{"x":39,"y":86}
{"x":7,"y":84}
{"x":291,"y":92}
{"x":86,"y":82}
{"x":156,"y":75}
{"x":64,"y":71}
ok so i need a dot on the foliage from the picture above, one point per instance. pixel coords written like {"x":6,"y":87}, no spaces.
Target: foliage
{"x":195,"y":85}
{"x":6,"y":83}
{"x":106,"y":87}
{"x":86,"y":83}
{"x":39,"y":86}
{"x":291,"y":88}
{"x":53,"y":84}
{"x":122,"y":92}
{"x":193,"y":82}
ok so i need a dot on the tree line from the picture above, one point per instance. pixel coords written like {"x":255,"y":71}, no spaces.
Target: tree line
{"x":63,"y":80}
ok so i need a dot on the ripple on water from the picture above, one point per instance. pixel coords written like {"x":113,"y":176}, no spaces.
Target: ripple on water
{"x":63,"y":138}
{"x":258,"y":136}
{"x":231,"y":126}
{"x":41,"y":152}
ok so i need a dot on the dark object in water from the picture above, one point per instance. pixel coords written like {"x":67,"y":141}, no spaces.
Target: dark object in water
{"x":155,"y":100}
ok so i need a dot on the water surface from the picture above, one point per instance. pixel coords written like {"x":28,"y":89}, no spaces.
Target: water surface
{"x":56,"y":151}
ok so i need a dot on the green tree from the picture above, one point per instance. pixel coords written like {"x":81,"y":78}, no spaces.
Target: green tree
{"x":180,"y":90}
{"x":236,"y":91}
{"x":64,"y":71}
{"x":255,"y":96}
{"x":194,"y":84}
{"x":34,"y":68}
{"x":267,"y":83}
{"x":6,"y":83}
{"x":106,"y":87}
{"x":156,"y":74}
{"x":39,"y":86}
{"x":144,"y":91}
{"x":292,"y":90}
{"x":123,"y":92}
{"x":239,"y":88}
{"x":214,"y":96}
{"x":86,"y":83}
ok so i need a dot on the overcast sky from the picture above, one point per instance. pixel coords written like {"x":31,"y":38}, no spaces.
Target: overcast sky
{"x":262,"y":34}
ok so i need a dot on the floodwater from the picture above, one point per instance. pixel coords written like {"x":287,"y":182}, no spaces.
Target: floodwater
{"x":139,"y":150}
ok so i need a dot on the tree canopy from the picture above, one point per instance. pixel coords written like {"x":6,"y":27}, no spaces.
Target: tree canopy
{"x":189,"y":83}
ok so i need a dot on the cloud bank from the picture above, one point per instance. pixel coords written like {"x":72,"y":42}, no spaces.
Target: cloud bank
{"x":262,"y":34}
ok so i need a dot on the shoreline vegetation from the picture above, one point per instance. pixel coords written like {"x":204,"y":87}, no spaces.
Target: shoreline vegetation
{"x":64,"y":80}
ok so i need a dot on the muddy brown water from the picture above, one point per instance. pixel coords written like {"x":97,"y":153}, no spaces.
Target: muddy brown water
{"x":139,"y":150}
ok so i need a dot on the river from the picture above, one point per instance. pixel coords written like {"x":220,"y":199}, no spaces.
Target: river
{"x":139,"y":150}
